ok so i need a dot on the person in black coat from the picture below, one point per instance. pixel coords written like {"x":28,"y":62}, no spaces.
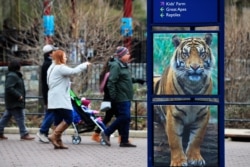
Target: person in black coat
{"x":47,"y":49}
{"x":14,"y":101}
{"x":49,"y":116}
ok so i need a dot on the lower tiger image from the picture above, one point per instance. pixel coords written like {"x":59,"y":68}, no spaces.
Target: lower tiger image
{"x":185,"y":64}
{"x":187,"y":135}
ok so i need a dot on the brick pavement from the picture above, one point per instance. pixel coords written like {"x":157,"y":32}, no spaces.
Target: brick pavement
{"x":237,"y":153}
{"x":16,"y":153}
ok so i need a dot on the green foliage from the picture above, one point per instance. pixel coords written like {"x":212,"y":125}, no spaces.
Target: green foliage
{"x":139,"y":13}
{"x":214,"y":112}
{"x":117,"y":4}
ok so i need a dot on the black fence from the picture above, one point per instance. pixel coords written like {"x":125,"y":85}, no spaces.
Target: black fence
{"x":137,"y":70}
{"x":138,"y":118}
{"x":237,"y":115}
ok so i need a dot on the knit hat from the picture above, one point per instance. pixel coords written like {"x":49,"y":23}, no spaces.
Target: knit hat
{"x":48,"y":48}
{"x":86,"y":102}
{"x":121,"y":51}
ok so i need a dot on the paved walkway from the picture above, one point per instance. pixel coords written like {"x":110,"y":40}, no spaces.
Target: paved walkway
{"x":237,"y":153}
{"x":16,"y":153}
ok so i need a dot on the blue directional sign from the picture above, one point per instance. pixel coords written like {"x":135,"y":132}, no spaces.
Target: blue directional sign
{"x":185,"y":11}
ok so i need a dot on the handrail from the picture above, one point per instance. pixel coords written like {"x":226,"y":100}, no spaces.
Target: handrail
{"x":136,"y":101}
{"x":237,"y":103}
{"x":236,"y":119}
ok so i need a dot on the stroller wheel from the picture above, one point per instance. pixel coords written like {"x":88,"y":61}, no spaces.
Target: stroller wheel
{"x":76,"y":139}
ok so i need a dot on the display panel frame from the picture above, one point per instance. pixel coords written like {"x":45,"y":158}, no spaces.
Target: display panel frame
{"x":168,"y":26}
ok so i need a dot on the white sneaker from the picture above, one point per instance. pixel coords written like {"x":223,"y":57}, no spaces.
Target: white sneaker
{"x":42,"y":137}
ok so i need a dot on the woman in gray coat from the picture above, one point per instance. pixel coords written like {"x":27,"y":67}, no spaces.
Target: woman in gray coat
{"x":59,"y":102}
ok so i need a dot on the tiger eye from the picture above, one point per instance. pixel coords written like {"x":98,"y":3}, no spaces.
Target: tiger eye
{"x":184,"y":55}
{"x":203,"y":55}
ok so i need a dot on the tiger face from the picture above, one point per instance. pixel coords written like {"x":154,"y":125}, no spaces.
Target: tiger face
{"x":189,"y":73}
{"x":192,"y":63}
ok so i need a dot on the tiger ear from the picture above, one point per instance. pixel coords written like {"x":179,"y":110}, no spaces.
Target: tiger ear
{"x":208,"y":38}
{"x":176,"y":41}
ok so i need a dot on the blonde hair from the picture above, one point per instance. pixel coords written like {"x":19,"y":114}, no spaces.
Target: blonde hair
{"x":57,"y":56}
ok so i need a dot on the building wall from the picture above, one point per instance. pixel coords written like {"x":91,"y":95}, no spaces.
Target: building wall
{"x":31,"y":75}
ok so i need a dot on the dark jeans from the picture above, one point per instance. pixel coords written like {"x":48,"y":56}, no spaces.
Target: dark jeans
{"x":61,"y":114}
{"x":47,"y":122}
{"x":122,"y":121}
{"x":108,"y":116}
{"x":19,"y":116}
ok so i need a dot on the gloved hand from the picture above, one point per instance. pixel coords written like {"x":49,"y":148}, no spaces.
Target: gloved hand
{"x":140,"y":81}
{"x":96,"y":112}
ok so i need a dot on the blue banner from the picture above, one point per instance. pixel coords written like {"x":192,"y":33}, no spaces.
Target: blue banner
{"x":49,"y":25}
{"x":126,"y":27}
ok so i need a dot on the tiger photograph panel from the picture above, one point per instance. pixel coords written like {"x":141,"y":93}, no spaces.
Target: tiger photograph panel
{"x":184,"y":138}
{"x":185,"y":63}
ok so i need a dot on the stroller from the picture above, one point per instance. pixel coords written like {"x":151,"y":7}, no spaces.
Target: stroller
{"x":90,"y":121}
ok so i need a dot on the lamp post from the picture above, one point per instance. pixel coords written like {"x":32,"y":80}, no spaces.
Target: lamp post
{"x":46,"y":7}
{"x":127,"y":8}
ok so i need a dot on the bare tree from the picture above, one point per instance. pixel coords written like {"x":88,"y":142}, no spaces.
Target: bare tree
{"x":95,"y":27}
{"x":79,"y":26}
{"x":95,"y":23}
{"x":237,"y":56}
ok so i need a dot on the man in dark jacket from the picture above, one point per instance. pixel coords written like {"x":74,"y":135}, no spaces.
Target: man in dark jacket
{"x":106,"y":97}
{"x":14,"y":101}
{"x":121,"y":93}
{"x":49,"y":116}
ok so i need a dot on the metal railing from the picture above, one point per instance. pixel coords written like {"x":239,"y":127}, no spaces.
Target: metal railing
{"x":135,"y":116}
{"x":237,"y":119}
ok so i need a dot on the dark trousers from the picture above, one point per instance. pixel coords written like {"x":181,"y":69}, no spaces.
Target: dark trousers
{"x":122,"y":121}
{"x":61,"y":114}
{"x":47,"y":122}
{"x":19,"y":115}
{"x":108,"y":116}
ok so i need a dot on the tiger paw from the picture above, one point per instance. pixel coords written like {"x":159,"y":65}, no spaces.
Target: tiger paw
{"x":179,"y":163}
{"x":179,"y":160}
{"x":196,"y":161}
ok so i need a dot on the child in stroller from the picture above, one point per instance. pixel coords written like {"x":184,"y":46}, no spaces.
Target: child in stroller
{"x":84,"y":118}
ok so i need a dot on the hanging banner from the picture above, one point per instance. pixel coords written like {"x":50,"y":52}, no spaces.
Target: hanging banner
{"x":126,"y":27}
{"x":49,"y":25}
